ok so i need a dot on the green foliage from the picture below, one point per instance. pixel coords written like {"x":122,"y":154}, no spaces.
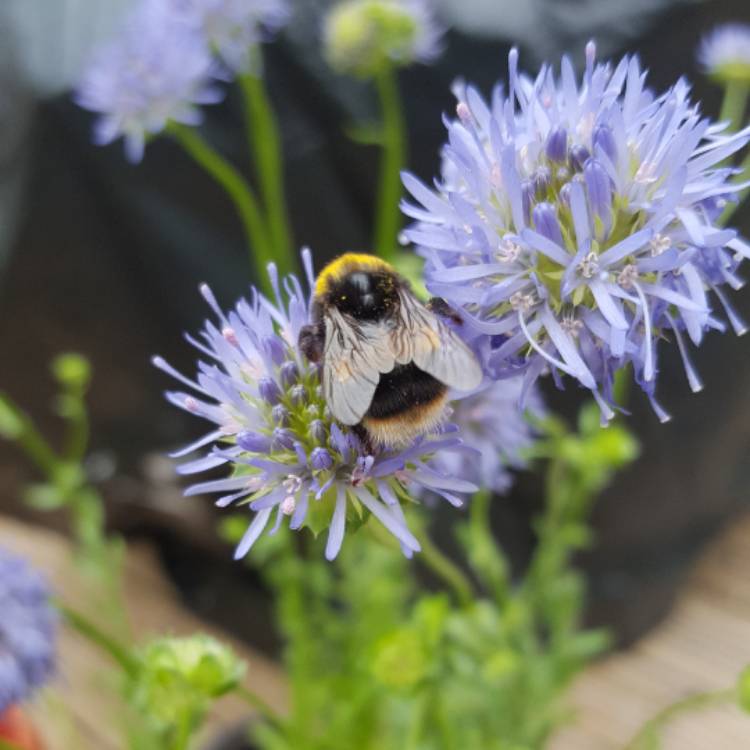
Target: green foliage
{"x":65,"y":484}
{"x":376,"y":662}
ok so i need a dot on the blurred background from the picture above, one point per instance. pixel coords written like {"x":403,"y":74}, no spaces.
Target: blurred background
{"x":103,"y":257}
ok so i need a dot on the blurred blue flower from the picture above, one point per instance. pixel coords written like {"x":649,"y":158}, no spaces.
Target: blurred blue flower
{"x":274,"y":431}
{"x":725,"y":52}
{"x":576,"y":225}
{"x":234,"y":28}
{"x":156,"y":70}
{"x":27,"y":630}
{"x":492,"y":423}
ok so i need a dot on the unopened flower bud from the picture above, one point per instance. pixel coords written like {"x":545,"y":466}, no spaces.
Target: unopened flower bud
{"x":289,"y":374}
{"x":598,"y":188}
{"x":565,"y":194}
{"x":556,"y":147}
{"x":280,"y":415}
{"x":604,"y":138}
{"x":269,"y":390}
{"x":254,"y":442}
{"x":318,"y":431}
{"x":275,"y":349}
{"x":284,"y":438}
{"x":546,"y":223}
{"x":298,"y":394}
{"x":579,"y":155}
{"x":541,"y":179}
{"x":320,"y":459}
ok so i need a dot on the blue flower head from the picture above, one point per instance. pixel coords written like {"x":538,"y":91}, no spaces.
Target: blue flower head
{"x":289,"y":461}
{"x":499,"y":432}
{"x":576,"y":224}
{"x":27,"y":631}
{"x":234,"y":28}
{"x":156,"y":70}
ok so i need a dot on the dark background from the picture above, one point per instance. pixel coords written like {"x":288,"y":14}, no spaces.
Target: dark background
{"x":104,"y":258}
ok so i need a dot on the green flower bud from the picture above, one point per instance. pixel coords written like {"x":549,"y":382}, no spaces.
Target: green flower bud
{"x":178,"y":677}
{"x":72,"y":370}
{"x":362,"y":37}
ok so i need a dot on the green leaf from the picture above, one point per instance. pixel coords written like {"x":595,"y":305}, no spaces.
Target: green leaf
{"x":401,"y":659}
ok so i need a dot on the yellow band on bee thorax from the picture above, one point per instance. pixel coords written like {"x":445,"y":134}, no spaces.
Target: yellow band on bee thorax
{"x":345,"y":264}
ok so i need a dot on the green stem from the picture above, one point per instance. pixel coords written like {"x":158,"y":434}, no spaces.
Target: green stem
{"x":733,"y":105}
{"x":99,"y":638}
{"x":30,"y":439}
{"x":265,"y":145}
{"x":670,"y":713}
{"x":184,"y":728}
{"x":263,"y":709}
{"x":7,"y":745}
{"x":387,"y":220}
{"x":488,"y":560}
{"x":447,"y":570}
{"x":733,"y":110}
{"x":415,"y":731}
{"x":732,"y":207}
{"x":239,"y":191}
{"x":77,"y":438}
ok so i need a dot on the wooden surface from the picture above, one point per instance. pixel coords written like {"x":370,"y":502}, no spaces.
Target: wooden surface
{"x":702,"y":646}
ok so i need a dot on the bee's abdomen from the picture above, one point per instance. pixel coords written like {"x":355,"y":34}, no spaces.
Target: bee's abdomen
{"x":404,"y":388}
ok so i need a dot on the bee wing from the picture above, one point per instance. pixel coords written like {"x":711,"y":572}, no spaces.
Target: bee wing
{"x":355,"y":355}
{"x":423,"y":338}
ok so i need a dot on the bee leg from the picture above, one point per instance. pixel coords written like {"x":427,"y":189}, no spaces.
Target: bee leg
{"x":311,"y":341}
{"x":364,"y":438}
{"x":440,"y":307}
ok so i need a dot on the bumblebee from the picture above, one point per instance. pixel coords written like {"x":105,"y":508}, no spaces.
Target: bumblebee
{"x":387,"y":359}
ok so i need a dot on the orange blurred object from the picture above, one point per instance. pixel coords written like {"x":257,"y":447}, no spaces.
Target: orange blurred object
{"x":17,"y":729}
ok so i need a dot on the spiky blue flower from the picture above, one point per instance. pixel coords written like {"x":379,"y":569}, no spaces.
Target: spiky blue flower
{"x":156,"y":70}
{"x":576,"y":224}
{"x":234,"y":28}
{"x":272,"y":429}
{"x":27,"y":630}
{"x":724,"y":53}
{"x":499,"y":432}
{"x":361,"y":36}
